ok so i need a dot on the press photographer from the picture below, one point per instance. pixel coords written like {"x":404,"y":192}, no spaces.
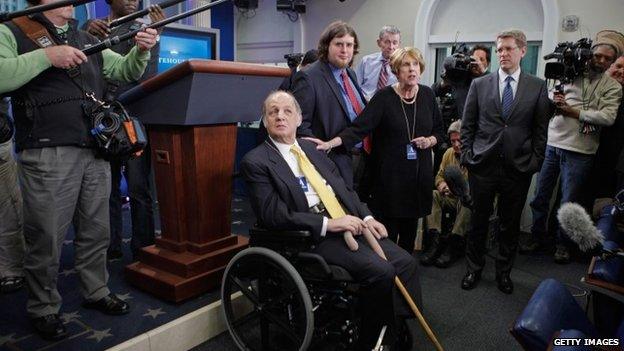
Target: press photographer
{"x":52,"y":84}
{"x":586,"y":100}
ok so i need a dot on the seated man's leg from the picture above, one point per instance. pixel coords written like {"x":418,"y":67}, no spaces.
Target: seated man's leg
{"x":377,"y":283}
{"x":455,"y":241}
{"x":407,"y":270}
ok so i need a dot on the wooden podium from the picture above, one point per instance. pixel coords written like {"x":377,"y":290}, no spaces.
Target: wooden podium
{"x":192,"y":112}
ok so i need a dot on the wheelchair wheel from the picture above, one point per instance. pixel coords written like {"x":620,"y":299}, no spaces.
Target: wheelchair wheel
{"x":274,"y":310}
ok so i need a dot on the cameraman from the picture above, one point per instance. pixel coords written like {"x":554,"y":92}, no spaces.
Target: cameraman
{"x":459,"y":70}
{"x":587,"y":104}
{"x":62,"y":180}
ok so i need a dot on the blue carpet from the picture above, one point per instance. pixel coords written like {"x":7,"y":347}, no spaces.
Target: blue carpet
{"x":89,"y":329}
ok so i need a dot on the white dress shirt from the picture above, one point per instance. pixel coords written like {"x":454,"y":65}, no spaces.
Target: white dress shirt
{"x":502,"y":83}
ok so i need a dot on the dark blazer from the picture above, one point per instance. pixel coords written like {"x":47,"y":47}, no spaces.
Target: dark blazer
{"x":276,"y":196}
{"x":520,"y":141}
{"x":324,"y":110}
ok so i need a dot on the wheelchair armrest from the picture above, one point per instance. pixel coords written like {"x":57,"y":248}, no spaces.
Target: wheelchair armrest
{"x":292,"y":234}
{"x":286,"y":242}
{"x":316,"y":259}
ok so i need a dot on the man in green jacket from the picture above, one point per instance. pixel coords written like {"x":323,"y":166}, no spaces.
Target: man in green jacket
{"x":62,"y":180}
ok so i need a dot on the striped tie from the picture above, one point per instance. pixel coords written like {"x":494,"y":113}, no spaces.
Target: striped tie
{"x":507,"y":97}
{"x":383,"y":75}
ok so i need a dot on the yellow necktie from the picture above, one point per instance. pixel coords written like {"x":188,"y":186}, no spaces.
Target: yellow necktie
{"x":314,"y":178}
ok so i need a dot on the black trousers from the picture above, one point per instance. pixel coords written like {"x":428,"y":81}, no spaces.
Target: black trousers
{"x":137,"y":173}
{"x":380,"y":301}
{"x":511,"y":187}
{"x":402,"y":231}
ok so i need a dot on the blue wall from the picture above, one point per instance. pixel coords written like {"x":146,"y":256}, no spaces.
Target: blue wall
{"x":222,"y":17}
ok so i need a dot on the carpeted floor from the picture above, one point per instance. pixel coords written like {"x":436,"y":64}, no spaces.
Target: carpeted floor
{"x":89,"y":329}
{"x":462,"y":320}
{"x":472,"y":320}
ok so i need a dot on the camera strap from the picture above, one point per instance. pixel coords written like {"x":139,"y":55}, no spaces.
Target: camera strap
{"x":35,"y":31}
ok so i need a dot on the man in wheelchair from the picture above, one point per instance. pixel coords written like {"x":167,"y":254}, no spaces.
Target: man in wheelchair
{"x":293,"y":186}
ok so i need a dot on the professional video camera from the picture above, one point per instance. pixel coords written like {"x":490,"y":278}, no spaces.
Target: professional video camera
{"x":458,"y":64}
{"x":572,"y":61}
{"x":293,"y":60}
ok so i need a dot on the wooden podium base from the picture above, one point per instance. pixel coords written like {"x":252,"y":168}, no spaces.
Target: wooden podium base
{"x":176,"y":276}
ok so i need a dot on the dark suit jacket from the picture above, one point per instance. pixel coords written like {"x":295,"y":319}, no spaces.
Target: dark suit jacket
{"x":519,"y":141}
{"x":324,"y":110}
{"x":276,"y":196}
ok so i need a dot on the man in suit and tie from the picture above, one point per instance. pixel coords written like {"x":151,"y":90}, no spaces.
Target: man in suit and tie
{"x":329,"y":95}
{"x":503,"y":138}
{"x":293,"y":186}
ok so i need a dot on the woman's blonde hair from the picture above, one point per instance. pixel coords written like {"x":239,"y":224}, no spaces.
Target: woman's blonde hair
{"x":399,"y":55}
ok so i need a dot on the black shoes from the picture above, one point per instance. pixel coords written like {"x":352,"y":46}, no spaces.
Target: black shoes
{"x":504,"y":283}
{"x":433,"y":251}
{"x":11,"y":284}
{"x":455,"y":248}
{"x":110,"y":304}
{"x":49,"y":327}
{"x":470,"y":280}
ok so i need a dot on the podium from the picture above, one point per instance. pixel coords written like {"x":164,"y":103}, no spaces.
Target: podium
{"x":191,"y":113}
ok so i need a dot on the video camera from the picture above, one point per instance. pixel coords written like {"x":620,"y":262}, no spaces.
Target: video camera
{"x":293,"y":60}
{"x":458,"y":64}
{"x":572,"y":61}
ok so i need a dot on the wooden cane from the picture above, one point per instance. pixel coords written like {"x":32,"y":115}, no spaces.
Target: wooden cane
{"x":372,"y":242}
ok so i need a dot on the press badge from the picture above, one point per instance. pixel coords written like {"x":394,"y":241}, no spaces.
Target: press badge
{"x":303,"y":183}
{"x":411,"y":153}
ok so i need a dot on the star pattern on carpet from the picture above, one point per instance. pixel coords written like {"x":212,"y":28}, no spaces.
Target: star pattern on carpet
{"x":237,"y":210}
{"x":7,"y":338}
{"x":237,"y":222}
{"x":67,"y":272}
{"x":67,"y":317}
{"x":124,"y":297}
{"x":126,"y":240}
{"x":153,"y":312}
{"x":67,"y":242}
{"x":98,"y":335}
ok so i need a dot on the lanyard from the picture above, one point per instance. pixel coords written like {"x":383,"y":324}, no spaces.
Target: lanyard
{"x":410,"y":136}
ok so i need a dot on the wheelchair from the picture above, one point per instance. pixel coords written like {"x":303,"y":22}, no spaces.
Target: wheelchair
{"x":277,"y":295}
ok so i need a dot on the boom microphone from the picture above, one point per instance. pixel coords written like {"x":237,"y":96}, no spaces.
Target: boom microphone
{"x":577,"y":224}
{"x":458,"y":185}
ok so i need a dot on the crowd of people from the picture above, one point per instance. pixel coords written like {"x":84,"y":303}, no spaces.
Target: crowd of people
{"x":364,"y":150}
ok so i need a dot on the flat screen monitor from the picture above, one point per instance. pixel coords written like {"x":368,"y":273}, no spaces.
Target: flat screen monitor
{"x":179,"y":43}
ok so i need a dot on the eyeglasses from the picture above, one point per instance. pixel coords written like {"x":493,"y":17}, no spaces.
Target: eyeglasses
{"x":505,"y":49}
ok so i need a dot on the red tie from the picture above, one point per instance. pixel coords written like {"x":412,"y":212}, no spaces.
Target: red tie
{"x":383,"y":75}
{"x":356,"y":106}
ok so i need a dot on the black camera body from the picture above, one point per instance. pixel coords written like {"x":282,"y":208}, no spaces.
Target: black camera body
{"x":293,"y":60}
{"x":116,"y":134}
{"x":572,"y":60}
{"x":458,"y":64}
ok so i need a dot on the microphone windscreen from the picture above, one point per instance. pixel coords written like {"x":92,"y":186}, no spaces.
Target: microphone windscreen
{"x":455,"y":180}
{"x":577,"y":224}
{"x":458,"y":184}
